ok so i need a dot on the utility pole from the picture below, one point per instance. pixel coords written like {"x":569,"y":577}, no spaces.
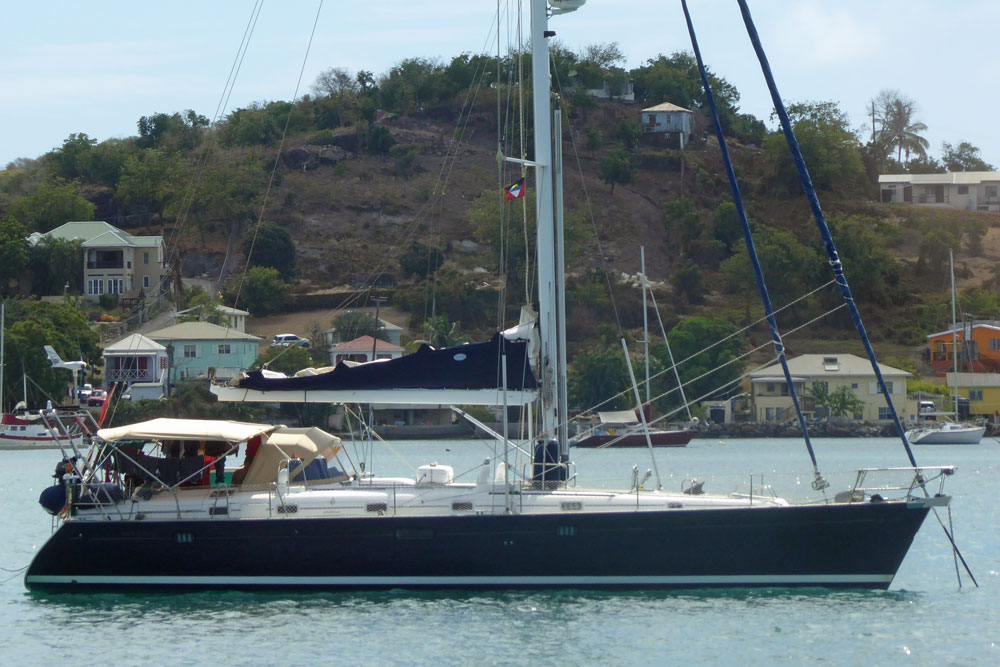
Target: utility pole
{"x":378,"y":302}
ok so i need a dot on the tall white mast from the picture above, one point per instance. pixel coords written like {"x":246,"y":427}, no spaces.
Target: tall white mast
{"x":545,"y":215}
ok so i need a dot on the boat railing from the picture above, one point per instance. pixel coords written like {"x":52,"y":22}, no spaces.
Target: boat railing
{"x":910,"y":483}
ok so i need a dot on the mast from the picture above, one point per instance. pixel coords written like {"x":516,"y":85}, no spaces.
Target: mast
{"x":954,"y":335}
{"x":645,"y":322}
{"x":548,"y":282}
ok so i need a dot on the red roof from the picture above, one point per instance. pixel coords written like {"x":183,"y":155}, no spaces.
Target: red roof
{"x":364,"y":344}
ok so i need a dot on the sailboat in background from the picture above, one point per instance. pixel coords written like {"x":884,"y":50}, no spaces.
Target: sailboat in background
{"x":512,"y":526}
{"x":949,"y":432}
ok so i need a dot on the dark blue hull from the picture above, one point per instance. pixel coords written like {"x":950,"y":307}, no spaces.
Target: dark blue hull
{"x":858,"y":545}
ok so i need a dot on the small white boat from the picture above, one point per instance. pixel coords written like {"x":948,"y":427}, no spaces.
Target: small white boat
{"x":946,"y":433}
{"x":26,"y":430}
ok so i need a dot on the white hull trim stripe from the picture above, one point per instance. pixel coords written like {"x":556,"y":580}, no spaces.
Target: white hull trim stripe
{"x":623,"y":580}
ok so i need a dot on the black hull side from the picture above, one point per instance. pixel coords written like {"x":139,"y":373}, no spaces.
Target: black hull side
{"x":826,"y":545}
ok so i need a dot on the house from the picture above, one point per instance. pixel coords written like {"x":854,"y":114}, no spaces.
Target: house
{"x":967,"y":190}
{"x":203,"y":350}
{"x":361,"y":349}
{"x":233,"y":318}
{"x":981,"y":354}
{"x":114,"y":261}
{"x":982,"y":391}
{"x":674,"y":122}
{"x":394,"y":333}
{"x":139,"y":363}
{"x":773,"y":403}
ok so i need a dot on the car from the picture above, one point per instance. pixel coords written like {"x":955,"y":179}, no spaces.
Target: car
{"x":97,"y":397}
{"x":83,"y":393}
{"x":288,"y":340}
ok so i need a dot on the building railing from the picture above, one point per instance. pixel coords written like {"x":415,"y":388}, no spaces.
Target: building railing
{"x":128,"y":374}
{"x":107,"y":264}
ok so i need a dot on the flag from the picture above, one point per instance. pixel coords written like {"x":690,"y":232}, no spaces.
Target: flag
{"x":106,"y":404}
{"x":515,"y":191}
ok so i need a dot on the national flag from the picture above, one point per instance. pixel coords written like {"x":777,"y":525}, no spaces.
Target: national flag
{"x":515,"y":191}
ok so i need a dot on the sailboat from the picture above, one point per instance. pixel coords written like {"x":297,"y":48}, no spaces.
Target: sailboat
{"x":949,"y":432}
{"x":302,"y":516}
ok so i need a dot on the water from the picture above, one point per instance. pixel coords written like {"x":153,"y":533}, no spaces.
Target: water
{"x":925,"y":618}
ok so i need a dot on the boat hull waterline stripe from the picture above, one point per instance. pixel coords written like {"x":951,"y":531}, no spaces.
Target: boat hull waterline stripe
{"x":614,"y":580}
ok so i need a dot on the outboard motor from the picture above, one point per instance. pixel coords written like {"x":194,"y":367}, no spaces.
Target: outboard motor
{"x":546,"y":468}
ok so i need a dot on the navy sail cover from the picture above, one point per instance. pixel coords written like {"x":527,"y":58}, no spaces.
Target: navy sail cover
{"x":470,"y":366}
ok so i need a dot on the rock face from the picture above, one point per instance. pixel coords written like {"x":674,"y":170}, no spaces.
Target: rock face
{"x":311,"y":157}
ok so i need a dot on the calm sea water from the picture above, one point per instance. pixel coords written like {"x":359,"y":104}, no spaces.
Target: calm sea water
{"x":925,"y":618}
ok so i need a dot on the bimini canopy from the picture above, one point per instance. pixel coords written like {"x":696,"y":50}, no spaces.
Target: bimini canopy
{"x":186,"y":429}
{"x":618,"y":417}
{"x":285,"y":444}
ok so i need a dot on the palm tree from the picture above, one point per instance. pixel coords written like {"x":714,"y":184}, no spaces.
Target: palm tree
{"x":900,"y":130}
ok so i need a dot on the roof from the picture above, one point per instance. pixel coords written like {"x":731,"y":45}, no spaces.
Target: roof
{"x":955,"y":178}
{"x":813,"y":365}
{"x":199,"y":331}
{"x":221,"y":309}
{"x":186,"y":429}
{"x":134,"y":343}
{"x":993,"y":325}
{"x":96,"y":233}
{"x":387,"y":326}
{"x":364,"y":343}
{"x":667,"y":106}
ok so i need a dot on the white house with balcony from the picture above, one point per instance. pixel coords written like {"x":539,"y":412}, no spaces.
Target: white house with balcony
{"x":674,"y":122}
{"x":137,"y":362}
{"x":114,"y":261}
{"x":772,"y":400}
{"x":965,"y":190}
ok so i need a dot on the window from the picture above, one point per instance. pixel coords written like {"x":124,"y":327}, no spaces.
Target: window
{"x":888,"y":386}
{"x":145,"y":258}
{"x":884,"y":414}
{"x":975,"y":394}
{"x":225,"y":349}
{"x":769,"y":414}
{"x":963,"y":189}
{"x":190,"y":351}
{"x":994,"y":344}
{"x":991,"y":191}
{"x":854,"y":385}
{"x":145,"y":282}
{"x":770,"y":387}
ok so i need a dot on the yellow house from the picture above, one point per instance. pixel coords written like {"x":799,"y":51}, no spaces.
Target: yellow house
{"x":982,"y":390}
{"x":773,"y":402}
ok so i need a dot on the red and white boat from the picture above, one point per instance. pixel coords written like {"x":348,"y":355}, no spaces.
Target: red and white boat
{"x":27,"y":430}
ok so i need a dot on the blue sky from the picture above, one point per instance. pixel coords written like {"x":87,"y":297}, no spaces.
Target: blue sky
{"x":96,"y":67}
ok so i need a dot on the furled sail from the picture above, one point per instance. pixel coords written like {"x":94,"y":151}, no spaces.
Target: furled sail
{"x":470,"y":374}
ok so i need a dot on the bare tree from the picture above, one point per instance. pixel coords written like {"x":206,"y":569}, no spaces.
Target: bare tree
{"x":335,"y":82}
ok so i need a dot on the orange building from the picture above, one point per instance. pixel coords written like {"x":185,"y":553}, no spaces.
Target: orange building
{"x":981,"y":354}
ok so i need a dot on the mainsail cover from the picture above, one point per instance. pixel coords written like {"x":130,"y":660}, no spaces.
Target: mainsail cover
{"x":473,"y":366}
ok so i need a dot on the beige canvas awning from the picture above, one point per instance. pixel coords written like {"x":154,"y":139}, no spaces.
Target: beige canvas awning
{"x":618,"y":417}
{"x":186,"y":429}
{"x":284,"y":444}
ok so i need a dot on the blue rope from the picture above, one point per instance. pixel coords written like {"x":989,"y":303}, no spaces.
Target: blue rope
{"x":751,"y":249}
{"x":824,"y":230}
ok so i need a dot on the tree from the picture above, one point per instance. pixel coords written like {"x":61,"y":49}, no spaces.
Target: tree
{"x":252,"y":126}
{"x":964,"y":157}
{"x":616,"y":167}
{"x":829,"y":147}
{"x":933,"y":249}
{"x":150,"y":180}
{"x":380,"y":140}
{"x":13,"y":252}
{"x":354,"y":324}
{"x":54,"y":264}
{"x":171,"y":132}
{"x":287,"y":360}
{"x":271,"y":245}
{"x":598,"y":376}
{"x":687,"y":282}
{"x":262,"y":292}
{"x":421,"y":260}
{"x":51,"y":204}
{"x":604,"y":55}
{"x":899,"y":128}
{"x":32,"y":324}
{"x":844,"y":403}
{"x":440,"y":332}
{"x":726,"y":225}
{"x":788,"y":267}
{"x":819,"y":394}
{"x":703,"y":369}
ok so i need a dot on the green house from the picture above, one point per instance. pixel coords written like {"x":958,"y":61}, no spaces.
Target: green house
{"x":203,"y":350}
